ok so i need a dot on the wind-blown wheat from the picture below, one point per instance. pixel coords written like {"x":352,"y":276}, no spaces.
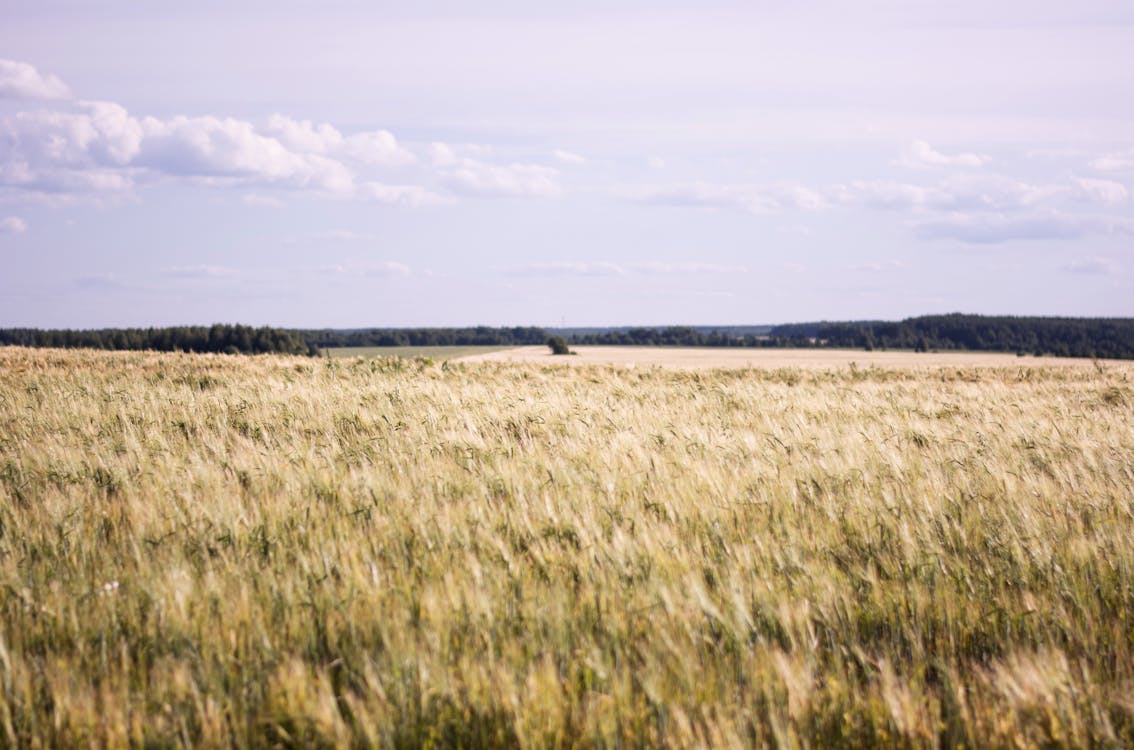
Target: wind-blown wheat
{"x":210,"y":550}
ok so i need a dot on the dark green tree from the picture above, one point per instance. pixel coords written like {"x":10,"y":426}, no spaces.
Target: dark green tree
{"x":558,"y":345}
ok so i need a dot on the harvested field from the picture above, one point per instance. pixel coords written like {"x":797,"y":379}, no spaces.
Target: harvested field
{"x":768,"y":358}
{"x":437,"y":353}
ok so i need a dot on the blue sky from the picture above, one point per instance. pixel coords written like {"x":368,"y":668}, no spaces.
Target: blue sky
{"x":506,"y":163}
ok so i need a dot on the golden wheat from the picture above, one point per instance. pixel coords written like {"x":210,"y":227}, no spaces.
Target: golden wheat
{"x":220,"y":551}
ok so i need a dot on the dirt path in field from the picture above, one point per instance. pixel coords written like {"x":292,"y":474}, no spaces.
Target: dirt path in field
{"x":772,"y":358}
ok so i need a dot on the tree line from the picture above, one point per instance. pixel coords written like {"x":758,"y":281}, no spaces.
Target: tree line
{"x":682,"y":336}
{"x":470,"y":336}
{"x":1064,"y":337}
{"x":219,"y":338}
{"x":1111,"y":338}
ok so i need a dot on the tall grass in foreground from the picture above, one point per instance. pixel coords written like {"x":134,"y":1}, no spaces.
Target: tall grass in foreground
{"x":216,"y":551}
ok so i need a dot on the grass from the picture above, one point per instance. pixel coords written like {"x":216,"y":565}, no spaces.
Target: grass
{"x":257,"y":552}
{"x":436,"y":353}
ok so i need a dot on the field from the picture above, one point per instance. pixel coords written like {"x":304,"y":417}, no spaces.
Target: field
{"x":437,"y":353}
{"x":700,"y":358}
{"x":226,"y":551}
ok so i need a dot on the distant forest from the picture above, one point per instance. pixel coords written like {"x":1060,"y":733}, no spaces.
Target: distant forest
{"x":1111,"y":338}
{"x":223,"y":339}
{"x":478,"y":336}
{"x":1065,"y":337}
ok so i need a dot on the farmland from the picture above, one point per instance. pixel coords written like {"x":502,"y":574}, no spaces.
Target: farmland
{"x":772,"y":358}
{"x":282,"y":551}
{"x":437,"y":353}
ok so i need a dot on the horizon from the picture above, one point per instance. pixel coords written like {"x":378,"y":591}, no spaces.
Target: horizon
{"x":367,"y":165}
{"x":596,"y":328}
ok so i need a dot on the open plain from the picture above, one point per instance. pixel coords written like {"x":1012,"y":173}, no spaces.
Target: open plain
{"x":208,"y":550}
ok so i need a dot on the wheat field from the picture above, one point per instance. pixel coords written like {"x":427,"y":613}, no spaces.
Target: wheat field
{"x":212,"y":551}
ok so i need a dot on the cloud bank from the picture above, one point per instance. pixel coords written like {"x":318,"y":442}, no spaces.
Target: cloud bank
{"x":100,"y":148}
{"x":61,"y":147}
{"x":971,"y":208}
{"x":77,"y":148}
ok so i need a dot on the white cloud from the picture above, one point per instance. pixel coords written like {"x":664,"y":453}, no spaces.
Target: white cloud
{"x":767,"y":199}
{"x":100,"y":133}
{"x":921,"y":154}
{"x":887,"y":194}
{"x":117,"y":137}
{"x":374,"y":148}
{"x":1107,"y":192}
{"x":211,"y":147}
{"x":995,"y":192}
{"x":474,"y":176}
{"x":87,"y":148}
{"x":442,"y":155}
{"x":1119,"y":161}
{"x":512,"y":180}
{"x":20,"y":80}
{"x":968,"y":193}
{"x":1092,"y":266}
{"x":99,"y":148}
{"x":975,"y":208}
{"x":13,"y":225}
{"x":987,"y":209}
{"x":568,"y":157}
{"x":797,"y":196}
{"x":303,"y":135}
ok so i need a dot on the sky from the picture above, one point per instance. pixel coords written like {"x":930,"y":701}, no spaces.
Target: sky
{"x":357,"y":164}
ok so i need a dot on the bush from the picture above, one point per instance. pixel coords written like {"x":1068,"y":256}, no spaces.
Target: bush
{"x":558,"y":345}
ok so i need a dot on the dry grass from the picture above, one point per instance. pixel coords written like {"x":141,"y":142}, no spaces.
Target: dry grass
{"x":221,"y":551}
{"x":715,"y":357}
